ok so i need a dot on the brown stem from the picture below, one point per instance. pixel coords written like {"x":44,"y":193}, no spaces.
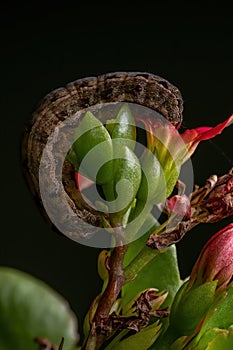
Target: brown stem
{"x":114,"y":286}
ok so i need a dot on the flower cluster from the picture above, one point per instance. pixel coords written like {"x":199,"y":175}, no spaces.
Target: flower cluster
{"x":131,"y":182}
{"x":106,"y":156}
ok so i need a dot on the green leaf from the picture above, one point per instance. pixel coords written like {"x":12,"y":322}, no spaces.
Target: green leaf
{"x":161,"y":272}
{"x":93,"y":143}
{"x":214,"y":339}
{"x":141,"y":340}
{"x":29,"y":309}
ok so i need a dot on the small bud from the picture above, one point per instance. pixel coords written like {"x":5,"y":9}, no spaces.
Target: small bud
{"x":215,"y":339}
{"x":209,"y":277}
{"x":179,"y":204}
{"x":150,"y":301}
{"x":123,"y":128}
{"x":92,"y":141}
{"x":215,"y":263}
{"x":127,"y":179}
{"x":153,"y":185}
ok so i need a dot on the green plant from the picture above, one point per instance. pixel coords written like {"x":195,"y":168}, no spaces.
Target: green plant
{"x":143,"y":303}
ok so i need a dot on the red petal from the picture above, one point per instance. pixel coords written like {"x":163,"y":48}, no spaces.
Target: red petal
{"x":205,"y":132}
{"x":82,"y":182}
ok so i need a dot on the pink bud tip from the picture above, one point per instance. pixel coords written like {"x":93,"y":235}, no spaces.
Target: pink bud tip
{"x":216,"y":260}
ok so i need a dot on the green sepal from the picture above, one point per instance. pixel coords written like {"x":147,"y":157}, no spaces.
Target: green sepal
{"x":178,"y":344}
{"x":93,"y":142}
{"x":190,"y":306}
{"x":117,"y":338}
{"x":220,"y":314}
{"x":178,"y":298}
{"x":29,"y":309}
{"x":141,"y":340}
{"x":214,"y":339}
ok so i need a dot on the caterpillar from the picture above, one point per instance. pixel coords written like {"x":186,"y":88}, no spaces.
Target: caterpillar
{"x":145,"y":89}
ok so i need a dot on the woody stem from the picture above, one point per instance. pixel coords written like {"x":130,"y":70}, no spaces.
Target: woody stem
{"x":115,"y":283}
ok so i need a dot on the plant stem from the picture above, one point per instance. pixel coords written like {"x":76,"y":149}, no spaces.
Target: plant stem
{"x":117,"y":278}
{"x":115,"y":283}
{"x":143,"y":257}
{"x":141,"y":260}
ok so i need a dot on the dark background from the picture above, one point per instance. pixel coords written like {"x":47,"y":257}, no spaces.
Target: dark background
{"x":50,"y":43}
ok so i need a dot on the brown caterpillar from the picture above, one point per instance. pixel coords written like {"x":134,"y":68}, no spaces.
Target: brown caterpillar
{"x":144,"y":89}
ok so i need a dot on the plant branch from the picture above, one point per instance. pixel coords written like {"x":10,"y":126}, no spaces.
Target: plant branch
{"x":115,"y":283}
{"x":143,"y":257}
{"x":140,"y":261}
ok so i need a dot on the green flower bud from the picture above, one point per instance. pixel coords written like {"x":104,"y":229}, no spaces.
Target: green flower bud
{"x":127,"y":179}
{"x":93,"y":141}
{"x":153,"y":184}
{"x":123,"y":128}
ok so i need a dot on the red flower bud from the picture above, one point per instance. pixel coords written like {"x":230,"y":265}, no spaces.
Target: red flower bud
{"x":179,"y":204}
{"x":215,"y":261}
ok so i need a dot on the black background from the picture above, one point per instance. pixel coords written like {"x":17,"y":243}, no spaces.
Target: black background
{"x":45,"y":45}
